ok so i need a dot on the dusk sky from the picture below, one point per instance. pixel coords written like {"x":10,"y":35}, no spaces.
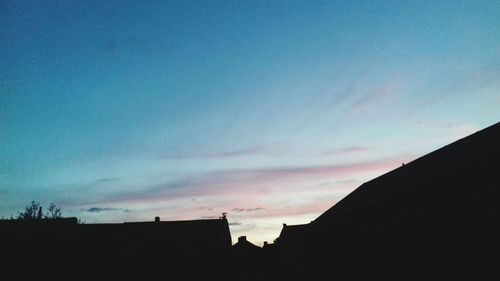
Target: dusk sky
{"x":271,"y":111}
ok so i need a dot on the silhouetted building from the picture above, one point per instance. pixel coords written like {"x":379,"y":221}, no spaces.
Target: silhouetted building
{"x":62,"y":249}
{"x":245,"y":247}
{"x":247,"y":260}
{"x":436,"y":218}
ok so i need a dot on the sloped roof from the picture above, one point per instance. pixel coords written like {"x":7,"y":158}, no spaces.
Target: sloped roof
{"x":244,"y":245}
{"x":290,"y":231}
{"x":462,"y":173}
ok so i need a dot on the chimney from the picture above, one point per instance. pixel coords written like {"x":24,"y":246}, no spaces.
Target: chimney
{"x":242,"y":239}
{"x":265,"y":244}
{"x":157,"y":219}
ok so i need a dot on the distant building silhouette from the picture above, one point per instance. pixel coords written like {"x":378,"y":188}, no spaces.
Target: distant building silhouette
{"x":245,"y":247}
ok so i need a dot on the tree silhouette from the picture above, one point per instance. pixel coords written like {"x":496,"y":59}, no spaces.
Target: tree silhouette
{"x":33,"y":211}
{"x":30,"y":212}
{"x":54,"y":212}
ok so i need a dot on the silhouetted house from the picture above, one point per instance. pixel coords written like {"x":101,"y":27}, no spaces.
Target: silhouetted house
{"x":245,"y":248}
{"x":435,"y":218}
{"x":247,"y":260}
{"x":123,"y":251}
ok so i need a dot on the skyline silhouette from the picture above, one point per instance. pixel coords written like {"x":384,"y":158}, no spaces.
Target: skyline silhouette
{"x":270,"y":111}
{"x":433,"y":218}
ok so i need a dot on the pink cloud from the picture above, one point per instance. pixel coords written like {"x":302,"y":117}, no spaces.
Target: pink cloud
{"x":252,"y":183}
{"x":347,"y":150}
{"x":319,"y":172}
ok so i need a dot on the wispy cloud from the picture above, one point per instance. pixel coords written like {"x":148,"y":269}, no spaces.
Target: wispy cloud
{"x":455,"y":130}
{"x":249,"y":151}
{"x":376,"y":98}
{"x":98,"y":182}
{"x":209,"y":217}
{"x":347,"y":150}
{"x":239,"y":210}
{"x":348,"y":91}
{"x":103,"y":209}
{"x":334,"y":98}
{"x":317,"y":171}
{"x":463,"y":83}
{"x":250,"y":181}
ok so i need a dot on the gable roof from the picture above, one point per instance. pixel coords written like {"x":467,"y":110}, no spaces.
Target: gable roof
{"x":244,"y":245}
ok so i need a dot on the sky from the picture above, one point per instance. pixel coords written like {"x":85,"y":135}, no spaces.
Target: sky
{"x":270,"y":111}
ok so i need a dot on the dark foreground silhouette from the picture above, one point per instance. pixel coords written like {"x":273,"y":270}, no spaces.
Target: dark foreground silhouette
{"x":61,"y":249}
{"x":436,"y":218}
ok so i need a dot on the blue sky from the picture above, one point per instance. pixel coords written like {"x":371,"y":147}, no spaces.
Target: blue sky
{"x":271,"y":111}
